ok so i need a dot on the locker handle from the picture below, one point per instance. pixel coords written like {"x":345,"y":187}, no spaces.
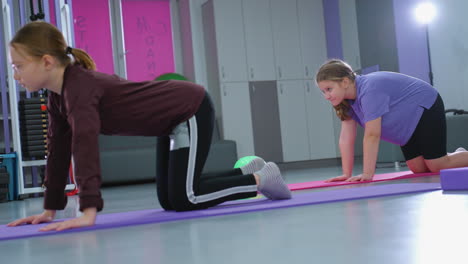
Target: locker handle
{"x":224,"y":90}
{"x":252,"y":73}
{"x":279,"y":71}
{"x":222,"y":72}
{"x":307,"y":71}
{"x":308,"y":87}
{"x":281,"y":88}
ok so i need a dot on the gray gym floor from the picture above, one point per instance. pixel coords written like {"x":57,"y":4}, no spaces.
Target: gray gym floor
{"x":424,"y":228}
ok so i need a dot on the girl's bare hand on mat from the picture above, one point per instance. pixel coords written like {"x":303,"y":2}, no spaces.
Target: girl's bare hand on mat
{"x":339,"y":178}
{"x":362,"y":177}
{"x":46,"y":216}
{"x":87,"y":219}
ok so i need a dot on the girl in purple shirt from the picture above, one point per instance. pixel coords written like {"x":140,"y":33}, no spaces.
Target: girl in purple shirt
{"x":391,"y":106}
{"x":84,"y":103}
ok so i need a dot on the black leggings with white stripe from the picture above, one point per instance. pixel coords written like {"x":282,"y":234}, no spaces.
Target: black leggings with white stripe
{"x":180,"y":160}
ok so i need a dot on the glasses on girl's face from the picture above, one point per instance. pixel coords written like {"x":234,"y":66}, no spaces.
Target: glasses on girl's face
{"x":17,"y":68}
{"x":21,"y":67}
{"x":326,"y":91}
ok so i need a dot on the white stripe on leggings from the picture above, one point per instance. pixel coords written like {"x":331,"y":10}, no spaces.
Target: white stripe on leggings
{"x":191,"y":172}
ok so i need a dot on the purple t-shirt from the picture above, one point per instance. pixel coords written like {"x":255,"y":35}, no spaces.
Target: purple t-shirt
{"x":399,"y":99}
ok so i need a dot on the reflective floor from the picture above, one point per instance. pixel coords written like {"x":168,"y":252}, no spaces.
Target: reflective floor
{"x":429,"y":227}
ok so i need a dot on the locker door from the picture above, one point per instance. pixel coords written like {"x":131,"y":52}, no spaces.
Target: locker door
{"x":293,"y":119}
{"x":320,"y":123}
{"x":259,"y":40}
{"x":286,"y":40}
{"x":236,"y":116}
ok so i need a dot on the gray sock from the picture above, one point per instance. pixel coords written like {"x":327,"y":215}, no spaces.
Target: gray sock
{"x":460,"y":149}
{"x":253,"y":166}
{"x":272,"y":184}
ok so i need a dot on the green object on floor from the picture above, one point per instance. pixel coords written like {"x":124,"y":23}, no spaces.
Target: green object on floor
{"x":244,"y":161}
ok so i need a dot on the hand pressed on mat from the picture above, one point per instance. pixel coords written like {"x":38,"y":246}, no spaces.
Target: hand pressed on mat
{"x":362,"y":177}
{"x":339,"y":178}
{"x":46,"y":216}
{"x":87,"y":219}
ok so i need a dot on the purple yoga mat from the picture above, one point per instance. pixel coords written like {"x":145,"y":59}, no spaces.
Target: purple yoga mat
{"x":241,"y":206}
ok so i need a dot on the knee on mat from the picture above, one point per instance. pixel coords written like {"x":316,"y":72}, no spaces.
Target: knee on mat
{"x":166,"y":207}
{"x":435,"y":168}
{"x":185,"y":208}
{"x":182,"y":205}
{"x":418,"y":169}
{"x":436,"y":165}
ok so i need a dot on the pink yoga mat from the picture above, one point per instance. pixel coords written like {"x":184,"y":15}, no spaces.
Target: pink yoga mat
{"x":378,"y":177}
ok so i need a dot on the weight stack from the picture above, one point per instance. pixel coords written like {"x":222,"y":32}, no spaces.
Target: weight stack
{"x":4,"y":181}
{"x":33,"y":127}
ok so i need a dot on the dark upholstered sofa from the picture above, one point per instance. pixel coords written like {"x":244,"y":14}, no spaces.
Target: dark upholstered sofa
{"x":133,"y":159}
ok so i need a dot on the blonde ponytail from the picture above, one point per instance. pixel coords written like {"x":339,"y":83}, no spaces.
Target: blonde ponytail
{"x":40,"y":38}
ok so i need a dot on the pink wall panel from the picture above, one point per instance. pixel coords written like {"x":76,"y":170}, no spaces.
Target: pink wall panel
{"x":52,"y":12}
{"x":148,"y":38}
{"x":186,"y":37}
{"x":93,"y":32}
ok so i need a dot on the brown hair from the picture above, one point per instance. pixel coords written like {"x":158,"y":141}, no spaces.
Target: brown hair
{"x":40,"y":38}
{"x":336,"y":70}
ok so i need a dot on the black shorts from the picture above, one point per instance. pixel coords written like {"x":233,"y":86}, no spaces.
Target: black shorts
{"x":429,"y":139}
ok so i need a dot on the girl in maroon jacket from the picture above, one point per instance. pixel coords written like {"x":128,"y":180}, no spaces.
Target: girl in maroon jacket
{"x":84,"y":103}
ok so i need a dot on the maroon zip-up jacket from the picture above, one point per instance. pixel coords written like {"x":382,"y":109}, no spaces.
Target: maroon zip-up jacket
{"x":92,"y":103}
